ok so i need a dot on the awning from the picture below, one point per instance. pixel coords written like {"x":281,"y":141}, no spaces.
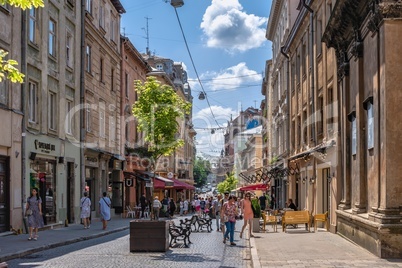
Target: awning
{"x":136,"y":175}
{"x":182,"y":185}
{"x":255,"y":187}
{"x":167,"y":182}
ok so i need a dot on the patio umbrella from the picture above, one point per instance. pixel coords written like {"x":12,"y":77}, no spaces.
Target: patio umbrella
{"x":255,"y":187}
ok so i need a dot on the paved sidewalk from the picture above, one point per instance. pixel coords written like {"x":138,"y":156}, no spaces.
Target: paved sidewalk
{"x":298,"y":248}
{"x":16,"y":246}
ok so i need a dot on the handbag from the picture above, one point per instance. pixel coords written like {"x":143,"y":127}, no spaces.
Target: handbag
{"x":28,"y":212}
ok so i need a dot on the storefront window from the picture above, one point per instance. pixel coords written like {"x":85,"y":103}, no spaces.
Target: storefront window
{"x":43,"y":176}
{"x":89,"y":185}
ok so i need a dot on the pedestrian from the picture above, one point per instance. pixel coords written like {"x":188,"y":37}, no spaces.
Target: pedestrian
{"x":104,"y":209}
{"x":172,"y":208}
{"x":156,"y":206}
{"x":34,"y":212}
{"x":181,"y":207}
{"x":85,"y":210}
{"x":248,"y":214}
{"x":143,"y":203}
{"x":223,"y":201}
{"x":263,"y":201}
{"x":216,"y":207}
{"x":229,"y":214}
{"x":185,"y":207}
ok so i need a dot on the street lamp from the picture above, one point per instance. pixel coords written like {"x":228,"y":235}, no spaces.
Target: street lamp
{"x":201,"y":96}
{"x":177,"y":3}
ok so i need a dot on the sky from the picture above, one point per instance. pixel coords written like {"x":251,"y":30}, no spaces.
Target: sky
{"x":228,"y":48}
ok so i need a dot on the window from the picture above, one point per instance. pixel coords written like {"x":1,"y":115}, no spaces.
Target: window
{"x":88,"y":58}
{"x":126,"y":133}
{"x":112,"y":79}
{"x":112,"y":128}
{"x":304,"y":59}
{"x":159,"y":67}
{"x":102,"y":123}
{"x":319,"y":36}
{"x":52,"y":38}
{"x":32,"y":25}
{"x":305,"y":127}
{"x":126,"y":83}
{"x":102,"y":17}
{"x":101,"y":70}
{"x":112,"y":28}
{"x":4,"y":92}
{"x":69,"y":117}
{"x":69,"y":58}
{"x":88,"y":117}
{"x":330,"y":105}
{"x":320,"y":119}
{"x":5,"y":6}
{"x":368,"y":106}
{"x":52,"y":110}
{"x":32,"y":102}
{"x":88,"y":6}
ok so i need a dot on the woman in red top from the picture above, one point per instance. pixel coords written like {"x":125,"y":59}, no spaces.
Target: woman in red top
{"x":247,"y":214}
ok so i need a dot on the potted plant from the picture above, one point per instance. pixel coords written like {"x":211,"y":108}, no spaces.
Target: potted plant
{"x":255,"y":205}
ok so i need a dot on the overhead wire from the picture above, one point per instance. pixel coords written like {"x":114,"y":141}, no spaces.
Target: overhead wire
{"x":195,"y":69}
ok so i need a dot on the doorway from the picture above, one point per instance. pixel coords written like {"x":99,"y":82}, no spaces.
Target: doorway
{"x":4,"y":196}
{"x":70,"y":192}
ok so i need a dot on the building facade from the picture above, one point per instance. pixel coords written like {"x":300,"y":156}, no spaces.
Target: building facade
{"x":366,"y":40}
{"x":103,"y":158}
{"x":11,"y":116}
{"x":51,"y":122}
{"x":282,"y":17}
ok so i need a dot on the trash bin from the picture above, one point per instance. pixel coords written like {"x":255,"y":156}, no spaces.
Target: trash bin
{"x":149,"y":236}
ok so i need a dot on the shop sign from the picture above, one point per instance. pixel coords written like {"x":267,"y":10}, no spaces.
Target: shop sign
{"x":149,"y":184}
{"x":44,"y":147}
{"x":116,"y":164}
{"x":91,"y":161}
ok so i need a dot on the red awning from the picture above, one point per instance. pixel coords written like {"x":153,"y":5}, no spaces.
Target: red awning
{"x":255,"y":187}
{"x":181,"y":185}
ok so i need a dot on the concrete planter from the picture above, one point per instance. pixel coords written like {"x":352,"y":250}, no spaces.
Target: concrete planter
{"x":149,"y":236}
{"x":256,"y":225}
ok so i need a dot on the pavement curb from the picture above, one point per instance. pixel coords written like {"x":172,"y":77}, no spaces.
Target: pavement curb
{"x":23,"y":253}
{"x":254,"y":254}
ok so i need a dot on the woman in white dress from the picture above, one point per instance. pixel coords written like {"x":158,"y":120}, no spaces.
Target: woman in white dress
{"x":85,"y":210}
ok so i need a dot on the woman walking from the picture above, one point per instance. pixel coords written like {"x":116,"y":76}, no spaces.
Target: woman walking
{"x":34,"y":213}
{"x":247,"y":214}
{"x":104,"y":209}
{"x":229,"y":214}
{"x":85,"y":210}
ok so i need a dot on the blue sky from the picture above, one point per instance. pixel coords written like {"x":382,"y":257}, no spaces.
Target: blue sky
{"x":227,"y":42}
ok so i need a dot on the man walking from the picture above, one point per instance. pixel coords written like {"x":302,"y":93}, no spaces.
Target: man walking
{"x":156,"y":206}
{"x":216,"y":209}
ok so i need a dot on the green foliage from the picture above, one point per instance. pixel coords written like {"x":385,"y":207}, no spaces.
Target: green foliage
{"x":157,"y":111}
{"x":202,"y":168}
{"x":24,"y":4}
{"x":255,"y":205}
{"x":228,"y":184}
{"x":273,"y":160}
{"x":8,"y":69}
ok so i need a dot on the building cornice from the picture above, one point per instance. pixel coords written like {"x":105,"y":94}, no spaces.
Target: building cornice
{"x":273,"y":19}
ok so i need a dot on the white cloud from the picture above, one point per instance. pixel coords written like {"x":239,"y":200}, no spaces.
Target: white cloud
{"x":204,"y":122}
{"x":226,"y":26}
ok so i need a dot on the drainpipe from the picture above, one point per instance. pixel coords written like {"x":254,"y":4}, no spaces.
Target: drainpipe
{"x":314,"y":125}
{"x":82,"y":97}
{"x":287,"y":108}
{"x":23,"y":129}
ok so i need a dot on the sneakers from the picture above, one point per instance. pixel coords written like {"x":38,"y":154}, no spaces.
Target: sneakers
{"x":233,"y":244}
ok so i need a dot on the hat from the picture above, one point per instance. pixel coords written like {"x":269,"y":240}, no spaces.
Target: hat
{"x":226,"y":192}
{"x":156,"y":197}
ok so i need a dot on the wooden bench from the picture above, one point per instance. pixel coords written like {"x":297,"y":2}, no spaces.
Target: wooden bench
{"x":321,"y":218}
{"x":296,"y":217}
{"x":189,"y":223}
{"x":178,"y":233}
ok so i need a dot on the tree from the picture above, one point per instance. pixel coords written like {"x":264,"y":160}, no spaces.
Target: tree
{"x":201,"y":170}
{"x":228,"y":184}
{"x":157,"y":111}
{"x":7,"y":67}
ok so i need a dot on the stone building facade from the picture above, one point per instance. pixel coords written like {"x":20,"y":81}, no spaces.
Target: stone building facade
{"x":366,"y":37}
{"x":102,"y":98}
{"x":11,"y":116}
{"x":50,"y":51}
